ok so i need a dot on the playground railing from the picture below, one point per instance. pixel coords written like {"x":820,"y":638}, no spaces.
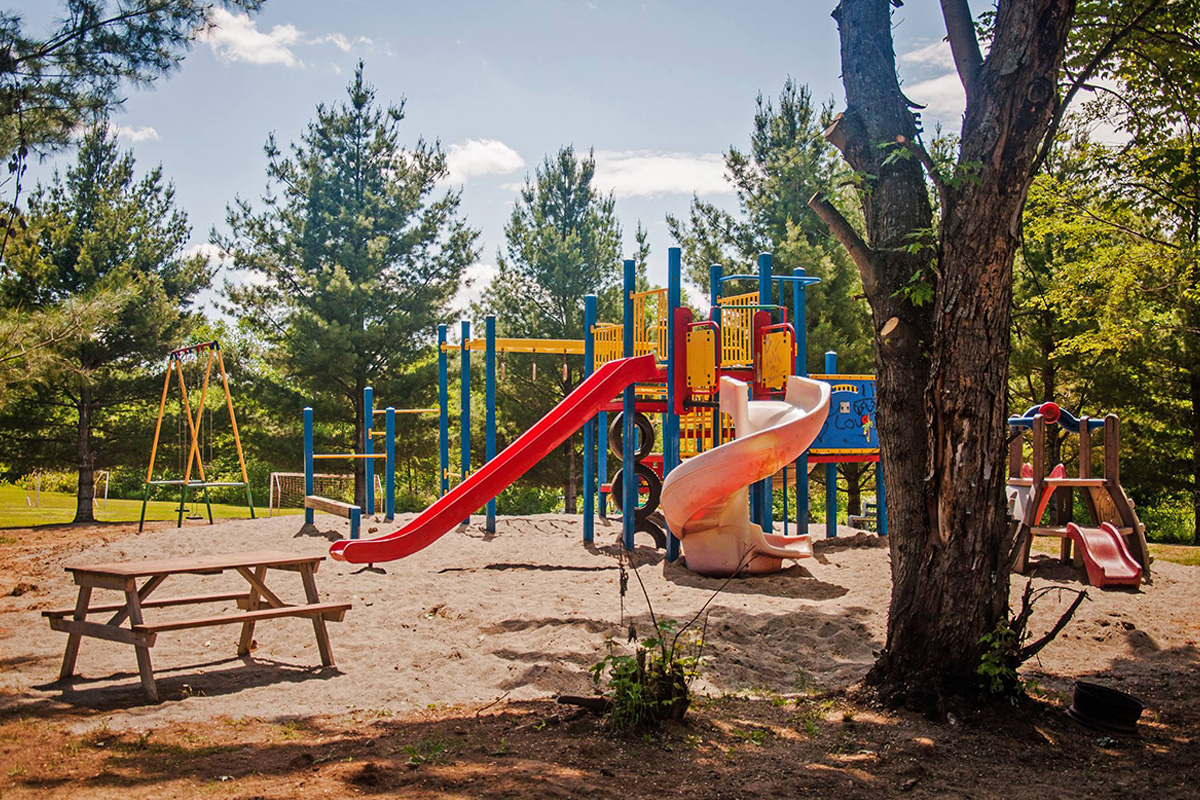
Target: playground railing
{"x":609,"y":342}
{"x":650,"y":337}
{"x":737,"y":329}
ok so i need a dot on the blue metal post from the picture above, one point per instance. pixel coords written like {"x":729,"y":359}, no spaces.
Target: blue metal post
{"x":355,"y":521}
{"x":369,"y":445}
{"x":464,"y":415}
{"x":671,"y":426}
{"x":880,"y":501}
{"x":308,"y":461}
{"x":589,"y":427}
{"x":443,"y":414}
{"x":714,"y":314}
{"x":830,"y":469}
{"x":490,"y":400}
{"x":602,"y":460}
{"x":628,"y":472}
{"x":389,"y":445}
{"x":760,"y":493}
{"x":800,"y":323}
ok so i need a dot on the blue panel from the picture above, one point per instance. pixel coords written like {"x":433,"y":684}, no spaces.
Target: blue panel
{"x":851,"y":421}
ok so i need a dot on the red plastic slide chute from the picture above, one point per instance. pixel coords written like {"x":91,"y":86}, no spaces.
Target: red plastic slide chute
{"x":513,"y":462}
{"x":1105,"y":556}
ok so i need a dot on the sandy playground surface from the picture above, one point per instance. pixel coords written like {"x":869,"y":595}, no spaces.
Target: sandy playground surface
{"x":522,"y":614}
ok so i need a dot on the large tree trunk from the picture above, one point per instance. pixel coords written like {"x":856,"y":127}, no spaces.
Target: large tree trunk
{"x":87,"y":459}
{"x":1195,"y":393}
{"x":945,"y":362}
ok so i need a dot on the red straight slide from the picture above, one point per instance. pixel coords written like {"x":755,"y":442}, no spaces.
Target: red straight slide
{"x":513,"y":462}
{"x":1105,"y":556}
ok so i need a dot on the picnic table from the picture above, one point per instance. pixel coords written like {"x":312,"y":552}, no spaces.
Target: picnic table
{"x":258,"y":602}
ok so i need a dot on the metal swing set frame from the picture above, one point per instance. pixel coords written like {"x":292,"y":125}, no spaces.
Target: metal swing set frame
{"x":175,"y":366}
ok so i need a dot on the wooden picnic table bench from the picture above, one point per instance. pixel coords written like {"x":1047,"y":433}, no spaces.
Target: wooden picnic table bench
{"x":258,"y":602}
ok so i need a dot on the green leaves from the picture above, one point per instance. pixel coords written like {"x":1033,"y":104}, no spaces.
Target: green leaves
{"x":354,"y":252}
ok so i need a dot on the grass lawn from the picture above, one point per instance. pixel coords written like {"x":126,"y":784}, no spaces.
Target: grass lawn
{"x":58,"y":507}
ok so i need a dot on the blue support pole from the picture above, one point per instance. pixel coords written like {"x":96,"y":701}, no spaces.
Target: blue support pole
{"x":880,"y":501}
{"x":628,"y":471}
{"x":369,"y":446}
{"x":389,"y":445}
{"x":671,"y":425}
{"x":602,"y":460}
{"x":830,"y":469}
{"x":589,"y":427}
{"x":714,"y":314}
{"x":355,"y":521}
{"x":464,"y":416}
{"x":760,"y":493}
{"x":490,"y":400}
{"x":308,"y":461}
{"x":800,"y":323}
{"x":443,"y":415}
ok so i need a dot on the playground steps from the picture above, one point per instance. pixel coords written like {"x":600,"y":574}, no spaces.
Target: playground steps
{"x":1097,"y":483}
{"x":1061,"y":530}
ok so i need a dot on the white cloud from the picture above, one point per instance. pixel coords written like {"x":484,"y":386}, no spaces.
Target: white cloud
{"x":132,"y":134}
{"x":476,"y":157}
{"x":933,"y":55}
{"x":943,"y":98}
{"x":644,"y":173}
{"x":235,"y":37}
{"x":336,"y":39}
{"x":475,"y":282}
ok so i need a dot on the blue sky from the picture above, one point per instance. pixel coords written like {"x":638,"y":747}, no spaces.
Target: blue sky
{"x":660,"y":90}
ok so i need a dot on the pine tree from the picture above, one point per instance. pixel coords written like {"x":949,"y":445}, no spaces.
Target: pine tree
{"x":563,"y":242}
{"x":105,"y":239}
{"x":788,"y":161}
{"x":355,"y":257}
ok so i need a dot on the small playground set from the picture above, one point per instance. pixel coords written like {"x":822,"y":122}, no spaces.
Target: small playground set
{"x":1113,"y":548}
{"x":729,"y":389}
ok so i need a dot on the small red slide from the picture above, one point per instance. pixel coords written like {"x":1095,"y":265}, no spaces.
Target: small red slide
{"x":513,"y":462}
{"x":1105,"y":556}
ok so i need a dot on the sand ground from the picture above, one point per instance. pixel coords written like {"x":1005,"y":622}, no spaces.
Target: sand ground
{"x":521,"y":615}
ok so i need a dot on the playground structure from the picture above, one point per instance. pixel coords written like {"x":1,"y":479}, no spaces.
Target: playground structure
{"x":661,"y":362}
{"x":1114,"y":550}
{"x":175,"y":362}
{"x":315,"y":502}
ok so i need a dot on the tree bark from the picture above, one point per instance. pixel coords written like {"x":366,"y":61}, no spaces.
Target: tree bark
{"x":1195,"y":397}
{"x":570,"y":488}
{"x":946,"y":363}
{"x":87,"y":459}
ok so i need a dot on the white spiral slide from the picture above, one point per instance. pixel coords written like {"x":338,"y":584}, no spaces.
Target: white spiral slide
{"x":706,"y":500}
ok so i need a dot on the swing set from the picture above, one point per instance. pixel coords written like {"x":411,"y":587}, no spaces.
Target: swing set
{"x":195,"y":427}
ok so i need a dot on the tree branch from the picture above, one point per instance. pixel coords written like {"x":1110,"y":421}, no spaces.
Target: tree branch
{"x":844,"y":232}
{"x":1080,"y":80}
{"x":960,"y":30}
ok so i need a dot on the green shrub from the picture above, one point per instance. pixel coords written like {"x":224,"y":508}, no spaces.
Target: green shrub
{"x":652,"y":685}
{"x":1169,"y":520}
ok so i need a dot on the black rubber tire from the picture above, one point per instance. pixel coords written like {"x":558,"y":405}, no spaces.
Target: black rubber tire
{"x":652,"y":481}
{"x":616,"y":436}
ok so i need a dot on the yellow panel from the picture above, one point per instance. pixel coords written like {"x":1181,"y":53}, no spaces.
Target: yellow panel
{"x":701,"y":360}
{"x":776,"y":359}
